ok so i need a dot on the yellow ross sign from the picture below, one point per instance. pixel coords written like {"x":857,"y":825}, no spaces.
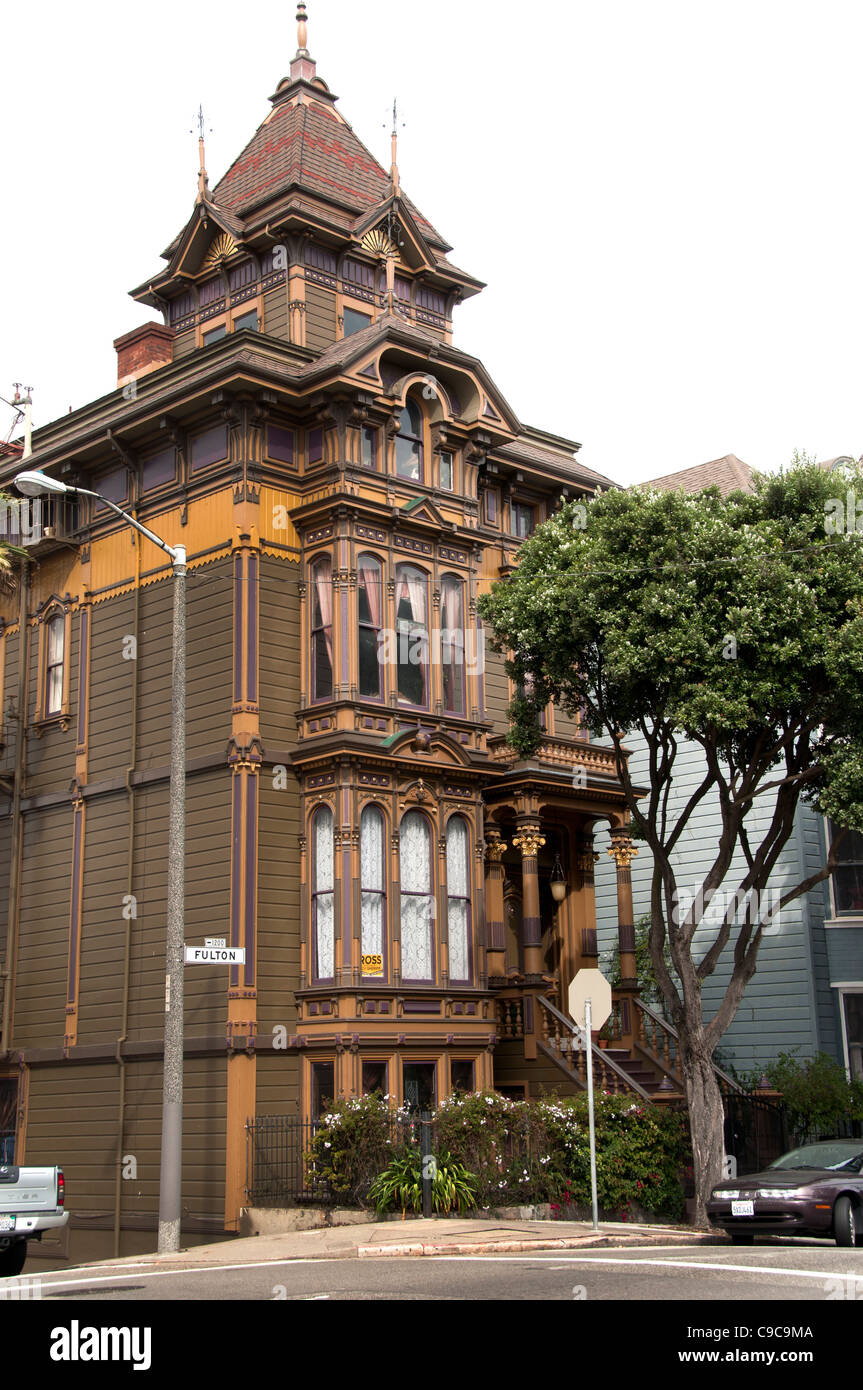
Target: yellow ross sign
{"x":373,"y":965}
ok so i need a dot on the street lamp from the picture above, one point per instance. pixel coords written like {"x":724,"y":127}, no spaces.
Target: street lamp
{"x":35,"y":484}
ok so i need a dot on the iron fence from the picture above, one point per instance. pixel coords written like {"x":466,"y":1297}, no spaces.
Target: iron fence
{"x":277,"y":1169}
{"x":281,"y":1170}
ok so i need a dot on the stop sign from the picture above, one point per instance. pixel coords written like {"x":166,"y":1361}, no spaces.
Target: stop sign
{"x":592,"y":985}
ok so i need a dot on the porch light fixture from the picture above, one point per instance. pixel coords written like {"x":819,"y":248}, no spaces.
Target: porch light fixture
{"x":558,"y":881}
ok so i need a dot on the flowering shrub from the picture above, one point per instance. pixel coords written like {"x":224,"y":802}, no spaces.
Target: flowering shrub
{"x":640,"y":1152}
{"x":513,"y":1152}
{"x":355,"y":1142}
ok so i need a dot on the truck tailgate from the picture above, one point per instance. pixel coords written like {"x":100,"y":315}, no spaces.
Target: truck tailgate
{"x":24,"y":1190}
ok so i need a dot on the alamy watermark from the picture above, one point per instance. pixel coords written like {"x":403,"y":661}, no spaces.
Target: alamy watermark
{"x":761,"y":909}
{"x":20,"y":518}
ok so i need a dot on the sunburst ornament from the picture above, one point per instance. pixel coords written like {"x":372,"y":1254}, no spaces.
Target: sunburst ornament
{"x":220,"y":249}
{"x":377,"y":243}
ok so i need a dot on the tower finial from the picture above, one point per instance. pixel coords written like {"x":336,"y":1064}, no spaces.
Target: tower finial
{"x":302,"y":29}
{"x":394,"y":172}
{"x":203,"y":184}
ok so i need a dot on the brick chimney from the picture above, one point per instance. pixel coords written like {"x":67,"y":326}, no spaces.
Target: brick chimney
{"x":143,"y":350}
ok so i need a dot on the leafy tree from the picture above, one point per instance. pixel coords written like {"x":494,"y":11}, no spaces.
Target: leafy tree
{"x":736,"y":623}
{"x":817,"y":1093}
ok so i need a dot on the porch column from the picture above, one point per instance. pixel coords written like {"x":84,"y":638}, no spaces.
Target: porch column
{"x":495,"y":930}
{"x":584,"y":859}
{"x":529,"y":840}
{"x":623,"y":851}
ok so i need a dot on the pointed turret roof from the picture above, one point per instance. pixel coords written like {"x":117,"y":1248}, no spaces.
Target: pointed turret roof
{"x":304,"y":165}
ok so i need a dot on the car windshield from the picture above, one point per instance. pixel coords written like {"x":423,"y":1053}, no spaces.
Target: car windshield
{"x":835,"y":1154}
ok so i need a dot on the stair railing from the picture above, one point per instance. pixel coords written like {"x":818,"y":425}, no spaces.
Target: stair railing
{"x":661,"y":1041}
{"x":563,"y":1040}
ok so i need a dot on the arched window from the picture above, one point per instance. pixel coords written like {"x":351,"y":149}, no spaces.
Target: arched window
{"x":373,"y":892}
{"x":452,"y":644}
{"x":323,"y":901}
{"x":458,"y":899}
{"x":322,"y":630}
{"x":409,"y":443}
{"x":370,"y":594}
{"x":413,"y":637}
{"x":417,"y":900}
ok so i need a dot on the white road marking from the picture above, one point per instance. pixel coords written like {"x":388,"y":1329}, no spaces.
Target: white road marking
{"x":163,"y":1273}
{"x":663,"y":1264}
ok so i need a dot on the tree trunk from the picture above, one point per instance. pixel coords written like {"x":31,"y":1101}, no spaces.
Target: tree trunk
{"x":706,"y":1121}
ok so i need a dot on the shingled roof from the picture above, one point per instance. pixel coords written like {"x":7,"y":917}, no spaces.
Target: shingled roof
{"x":309,"y":146}
{"x":729,"y":474}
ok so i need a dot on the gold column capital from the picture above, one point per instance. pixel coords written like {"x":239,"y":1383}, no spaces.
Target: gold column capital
{"x":528,"y":840}
{"x":622,"y":850}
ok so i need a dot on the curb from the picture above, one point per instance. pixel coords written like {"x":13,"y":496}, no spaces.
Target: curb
{"x":481,"y":1247}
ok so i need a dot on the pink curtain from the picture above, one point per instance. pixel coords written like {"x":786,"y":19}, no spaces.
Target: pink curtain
{"x":324,"y":591}
{"x":370,"y":578}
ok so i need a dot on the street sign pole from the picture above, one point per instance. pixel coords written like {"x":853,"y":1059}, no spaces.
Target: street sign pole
{"x":588,"y":1046}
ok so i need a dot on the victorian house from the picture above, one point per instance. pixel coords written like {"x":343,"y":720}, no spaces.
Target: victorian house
{"x":412,"y":900}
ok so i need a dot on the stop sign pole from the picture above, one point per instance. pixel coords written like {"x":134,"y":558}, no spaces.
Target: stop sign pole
{"x":590,"y":1116}
{"x":589,"y":988}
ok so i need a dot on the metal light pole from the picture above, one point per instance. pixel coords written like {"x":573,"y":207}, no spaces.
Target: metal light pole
{"x":35,"y":484}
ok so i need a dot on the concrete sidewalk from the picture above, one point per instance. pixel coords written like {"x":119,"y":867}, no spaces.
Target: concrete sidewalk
{"x":414,"y":1236}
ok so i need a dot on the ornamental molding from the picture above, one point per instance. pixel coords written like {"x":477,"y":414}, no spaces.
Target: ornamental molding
{"x":221,"y":249}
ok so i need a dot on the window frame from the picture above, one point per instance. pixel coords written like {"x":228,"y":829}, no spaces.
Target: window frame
{"x":460,"y":898}
{"x":456,"y":580}
{"x":318,"y":563}
{"x":519,"y":504}
{"x":430,"y":894}
{"x":381,"y":893}
{"x":402,"y":701}
{"x":317,"y":893}
{"x":55,"y":614}
{"x":369,"y":625}
{"x":417,"y":439}
{"x":842,"y":914}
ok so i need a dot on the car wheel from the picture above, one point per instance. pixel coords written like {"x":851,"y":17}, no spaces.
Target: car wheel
{"x":742,"y":1237}
{"x":846,"y":1222}
{"x":12,"y":1258}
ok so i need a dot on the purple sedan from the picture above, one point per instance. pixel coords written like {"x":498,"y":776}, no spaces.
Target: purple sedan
{"x":816,"y":1190}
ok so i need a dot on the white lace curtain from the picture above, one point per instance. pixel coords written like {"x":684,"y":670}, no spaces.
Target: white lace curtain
{"x":458,"y":899}
{"x":372,"y":880}
{"x":417,"y":903}
{"x":323,"y":911}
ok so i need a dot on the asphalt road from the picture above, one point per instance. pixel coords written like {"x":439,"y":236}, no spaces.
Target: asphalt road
{"x":788,"y":1272}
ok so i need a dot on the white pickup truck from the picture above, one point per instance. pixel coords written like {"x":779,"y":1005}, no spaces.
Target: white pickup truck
{"x":32,"y":1200}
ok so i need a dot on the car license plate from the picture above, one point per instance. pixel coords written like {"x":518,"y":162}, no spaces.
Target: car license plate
{"x":742,"y":1208}
{"x":7,"y":1223}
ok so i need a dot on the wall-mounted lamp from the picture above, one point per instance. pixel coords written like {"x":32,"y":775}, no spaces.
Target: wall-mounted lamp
{"x":558,"y":881}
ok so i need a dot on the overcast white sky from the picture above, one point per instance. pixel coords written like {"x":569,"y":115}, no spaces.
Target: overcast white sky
{"x":664,"y":198}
